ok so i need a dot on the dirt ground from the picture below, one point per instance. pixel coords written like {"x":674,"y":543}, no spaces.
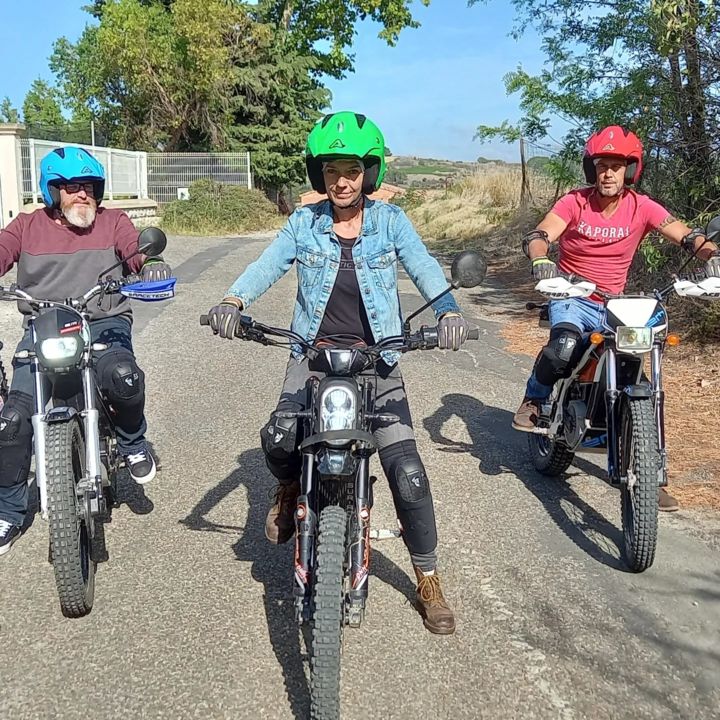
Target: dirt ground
{"x":692,"y":386}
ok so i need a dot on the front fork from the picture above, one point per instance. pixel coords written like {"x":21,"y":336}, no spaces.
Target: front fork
{"x":359,"y":544}
{"x":611,"y":405}
{"x":305,"y":532}
{"x":659,"y":397}
{"x":90,"y":487}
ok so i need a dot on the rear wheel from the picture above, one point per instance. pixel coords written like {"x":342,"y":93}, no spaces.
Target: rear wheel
{"x":70,"y":546}
{"x":639,"y":465}
{"x":328,"y":615}
{"x":549,"y":456}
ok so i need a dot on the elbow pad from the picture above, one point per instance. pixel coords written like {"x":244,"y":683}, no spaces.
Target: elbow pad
{"x":688,"y":242}
{"x":534,"y":235}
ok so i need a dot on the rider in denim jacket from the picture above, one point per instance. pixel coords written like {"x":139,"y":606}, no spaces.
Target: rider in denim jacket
{"x":347,"y":250}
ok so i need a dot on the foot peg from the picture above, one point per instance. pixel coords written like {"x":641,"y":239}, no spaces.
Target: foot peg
{"x":383,"y":534}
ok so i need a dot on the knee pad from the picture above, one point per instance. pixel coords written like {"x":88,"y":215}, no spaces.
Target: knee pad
{"x":411,"y":494}
{"x":120,"y":377}
{"x":557,"y":357}
{"x":279,"y":440}
{"x":15,"y":439}
{"x":405,"y":471}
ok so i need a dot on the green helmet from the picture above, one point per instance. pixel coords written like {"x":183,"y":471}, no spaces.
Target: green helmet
{"x":346,"y":135}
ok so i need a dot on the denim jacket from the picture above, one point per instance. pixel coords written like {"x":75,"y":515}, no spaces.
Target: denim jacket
{"x":307,"y":239}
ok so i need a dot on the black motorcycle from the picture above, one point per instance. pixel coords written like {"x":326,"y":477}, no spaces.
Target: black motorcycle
{"x":607,"y":404}
{"x":76,"y":457}
{"x":332,"y":553}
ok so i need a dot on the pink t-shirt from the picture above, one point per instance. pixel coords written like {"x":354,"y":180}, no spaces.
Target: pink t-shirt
{"x":601,"y":249}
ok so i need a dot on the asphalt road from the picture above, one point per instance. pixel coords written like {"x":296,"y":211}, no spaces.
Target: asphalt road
{"x":193,"y":611}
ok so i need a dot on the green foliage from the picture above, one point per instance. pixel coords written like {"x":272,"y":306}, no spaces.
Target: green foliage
{"x":412,"y":199}
{"x":8,"y":113}
{"x":325,"y":29}
{"x":159,"y":78}
{"x":276,"y":101}
{"x":218,"y":209}
{"x":42,"y":105}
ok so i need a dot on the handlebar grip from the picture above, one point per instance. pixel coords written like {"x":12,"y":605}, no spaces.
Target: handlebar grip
{"x":205,"y":320}
{"x":473,"y":334}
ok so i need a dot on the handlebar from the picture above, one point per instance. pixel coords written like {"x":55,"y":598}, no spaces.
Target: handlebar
{"x":107,"y":286}
{"x":425,"y":338}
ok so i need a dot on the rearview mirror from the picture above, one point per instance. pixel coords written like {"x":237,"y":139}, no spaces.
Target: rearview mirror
{"x":713,"y":229}
{"x":468,"y":269}
{"x":152,"y":241}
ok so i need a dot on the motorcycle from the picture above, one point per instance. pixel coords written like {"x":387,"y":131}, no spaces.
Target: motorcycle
{"x":608,"y":405}
{"x":76,"y":456}
{"x":333,"y":534}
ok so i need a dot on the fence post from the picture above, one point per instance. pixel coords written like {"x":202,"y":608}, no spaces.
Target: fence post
{"x":11,"y":186}
{"x":110,"y":174}
{"x":247,"y":155}
{"x":33,"y":172}
{"x":525,"y":186}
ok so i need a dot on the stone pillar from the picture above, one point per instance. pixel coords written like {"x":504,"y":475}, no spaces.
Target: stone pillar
{"x":10,"y":172}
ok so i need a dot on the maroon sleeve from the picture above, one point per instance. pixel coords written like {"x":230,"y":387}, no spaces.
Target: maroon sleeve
{"x":126,"y":242}
{"x":11,"y":243}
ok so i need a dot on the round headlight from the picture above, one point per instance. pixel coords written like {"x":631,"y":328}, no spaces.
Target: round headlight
{"x":60,"y":348}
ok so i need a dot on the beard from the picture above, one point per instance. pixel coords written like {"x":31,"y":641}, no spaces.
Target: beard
{"x":613,"y":191}
{"x":80,"y":215}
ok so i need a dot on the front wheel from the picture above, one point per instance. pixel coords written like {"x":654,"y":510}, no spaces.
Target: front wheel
{"x":328,"y":615}
{"x":639,"y":465}
{"x":549,"y":456}
{"x":70,"y":546}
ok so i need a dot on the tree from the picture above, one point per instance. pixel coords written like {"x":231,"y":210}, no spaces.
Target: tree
{"x":216,"y":75}
{"x":42,"y":106}
{"x":156,"y":78}
{"x":651,"y":66}
{"x":8,"y":113}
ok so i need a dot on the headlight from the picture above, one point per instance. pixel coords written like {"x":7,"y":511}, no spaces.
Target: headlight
{"x":60,"y":348}
{"x":337,"y":409}
{"x":633,"y":339}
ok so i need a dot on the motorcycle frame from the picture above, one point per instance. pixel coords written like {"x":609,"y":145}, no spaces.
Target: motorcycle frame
{"x":605,"y":376}
{"x":357,"y":543}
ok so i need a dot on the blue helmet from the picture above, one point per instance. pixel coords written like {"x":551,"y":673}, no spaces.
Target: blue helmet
{"x":69,"y":164}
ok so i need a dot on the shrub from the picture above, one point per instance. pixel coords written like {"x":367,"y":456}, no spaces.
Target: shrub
{"x":216,"y":208}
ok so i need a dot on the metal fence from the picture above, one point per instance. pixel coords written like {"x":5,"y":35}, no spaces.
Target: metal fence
{"x":125,"y":170}
{"x":170,"y":174}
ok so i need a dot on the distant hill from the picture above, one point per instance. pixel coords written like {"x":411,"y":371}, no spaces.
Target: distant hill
{"x":407,"y":170}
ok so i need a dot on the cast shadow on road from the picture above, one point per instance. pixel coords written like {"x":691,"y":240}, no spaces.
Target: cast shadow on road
{"x":500,"y":449}
{"x":272,"y":566}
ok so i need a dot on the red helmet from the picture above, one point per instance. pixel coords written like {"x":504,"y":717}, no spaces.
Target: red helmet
{"x":614,"y":141}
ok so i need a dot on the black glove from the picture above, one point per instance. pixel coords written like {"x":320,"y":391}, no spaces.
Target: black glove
{"x":712,"y":266}
{"x":155,"y":269}
{"x":225,"y":319}
{"x":452,"y":331}
{"x":543,"y":268}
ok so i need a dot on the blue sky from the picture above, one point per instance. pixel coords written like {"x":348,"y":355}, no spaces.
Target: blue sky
{"x":428,"y":93}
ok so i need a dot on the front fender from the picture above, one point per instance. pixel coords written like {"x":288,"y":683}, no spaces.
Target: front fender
{"x":60,"y":414}
{"x":641,"y":390}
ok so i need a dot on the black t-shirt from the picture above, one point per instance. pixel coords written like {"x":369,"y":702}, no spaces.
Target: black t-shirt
{"x":345,"y":312}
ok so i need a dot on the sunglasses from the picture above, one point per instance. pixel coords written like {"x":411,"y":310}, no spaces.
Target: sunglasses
{"x":72,"y":188}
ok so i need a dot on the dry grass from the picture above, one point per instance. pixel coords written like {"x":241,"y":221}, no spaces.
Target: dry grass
{"x":475,"y":205}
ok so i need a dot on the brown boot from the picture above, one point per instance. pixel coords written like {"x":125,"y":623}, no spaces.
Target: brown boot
{"x":526,"y":417}
{"x":437,"y":616}
{"x":280,"y":521}
{"x":667,"y":503}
